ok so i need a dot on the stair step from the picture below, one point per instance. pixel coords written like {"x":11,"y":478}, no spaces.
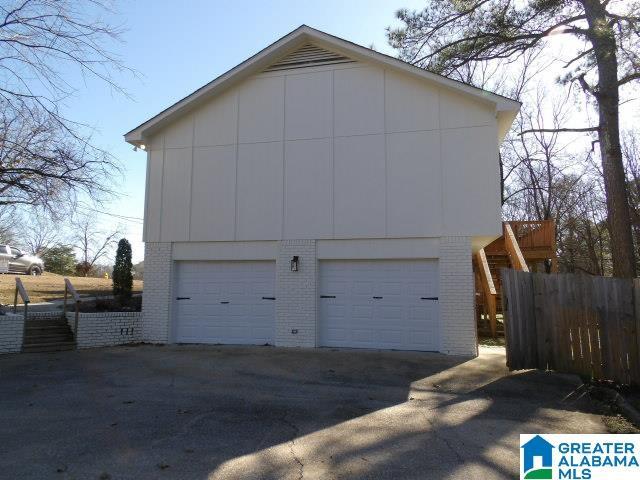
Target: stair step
{"x":43,"y":339}
{"x":46,"y":328}
{"x":45,"y":323}
{"x":49,"y":347}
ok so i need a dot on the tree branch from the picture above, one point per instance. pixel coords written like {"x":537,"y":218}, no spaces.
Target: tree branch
{"x":560,"y":130}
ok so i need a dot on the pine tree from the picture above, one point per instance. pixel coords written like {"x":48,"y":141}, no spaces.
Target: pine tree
{"x":122,"y":277}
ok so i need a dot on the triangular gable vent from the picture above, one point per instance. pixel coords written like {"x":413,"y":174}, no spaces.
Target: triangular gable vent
{"x":308,"y":56}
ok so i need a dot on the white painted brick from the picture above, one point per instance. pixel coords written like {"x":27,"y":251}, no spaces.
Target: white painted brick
{"x":296,"y":297}
{"x":11,"y":332}
{"x":105,"y":329}
{"x":156,"y":298}
{"x":457,"y":297}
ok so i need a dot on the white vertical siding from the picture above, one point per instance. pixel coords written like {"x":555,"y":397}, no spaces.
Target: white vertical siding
{"x":359,"y":183}
{"x":176,"y":185}
{"x":414,"y":186}
{"x":341,"y":151}
{"x":153,"y":208}
{"x":359,"y":101}
{"x":216,"y":122}
{"x":309,"y":106}
{"x":409,"y":106}
{"x":260,"y":191}
{"x":213,"y":208}
{"x":471,"y":200}
{"x":308,"y":189}
{"x":261,"y":110}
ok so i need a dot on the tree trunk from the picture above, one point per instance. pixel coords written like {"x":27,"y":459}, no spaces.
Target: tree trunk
{"x":602,"y":38}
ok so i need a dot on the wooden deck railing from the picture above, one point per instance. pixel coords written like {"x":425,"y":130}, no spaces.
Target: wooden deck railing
{"x":534,"y":233}
{"x":513,"y":250}
{"x":70,"y":290}
{"x":488,"y":289}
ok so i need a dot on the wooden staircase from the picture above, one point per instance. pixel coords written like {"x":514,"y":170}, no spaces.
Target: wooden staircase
{"x":524,"y":246}
{"x":47,"y":334}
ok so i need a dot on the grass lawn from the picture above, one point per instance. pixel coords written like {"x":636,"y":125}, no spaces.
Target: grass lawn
{"x":50,"y":286}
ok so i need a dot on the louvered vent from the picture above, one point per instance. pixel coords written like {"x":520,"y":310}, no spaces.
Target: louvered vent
{"x":308,"y":56}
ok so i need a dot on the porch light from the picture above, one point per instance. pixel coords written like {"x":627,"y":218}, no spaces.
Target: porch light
{"x":294,"y":263}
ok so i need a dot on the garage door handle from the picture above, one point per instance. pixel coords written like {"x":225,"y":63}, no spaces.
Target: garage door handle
{"x":224,"y":302}
{"x":428,"y":298}
{"x":377,"y":298}
{"x":183,"y":298}
{"x":327,"y":296}
{"x":268,"y":298}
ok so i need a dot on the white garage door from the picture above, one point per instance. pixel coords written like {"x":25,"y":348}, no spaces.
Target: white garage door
{"x":225,"y":302}
{"x":385,"y":304}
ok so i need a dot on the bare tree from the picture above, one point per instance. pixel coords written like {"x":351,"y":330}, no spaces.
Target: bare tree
{"x":45,"y":157}
{"x":449,"y":34}
{"x":92,"y":243}
{"x":8,"y":224}
{"x":39,"y":232}
{"x":536,"y":159}
{"x":42,"y":166}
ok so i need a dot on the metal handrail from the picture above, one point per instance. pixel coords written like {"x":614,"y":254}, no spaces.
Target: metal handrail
{"x":69,"y":289}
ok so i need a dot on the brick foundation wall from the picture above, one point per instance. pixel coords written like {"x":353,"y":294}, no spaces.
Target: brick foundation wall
{"x":106,"y":329}
{"x":11,"y":332}
{"x":156,"y":299}
{"x":457,"y":297}
{"x":296,"y":297}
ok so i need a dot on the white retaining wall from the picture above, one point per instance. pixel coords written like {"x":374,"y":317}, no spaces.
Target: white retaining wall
{"x":11,"y":332}
{"x":106,"y":329}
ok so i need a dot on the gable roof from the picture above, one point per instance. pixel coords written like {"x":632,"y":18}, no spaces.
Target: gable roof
{"x":301,"y":37}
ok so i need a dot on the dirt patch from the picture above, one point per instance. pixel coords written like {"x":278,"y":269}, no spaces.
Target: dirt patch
{"x":491,"y":342}
{"x":604,"y":397}
{"x":50,"y":286}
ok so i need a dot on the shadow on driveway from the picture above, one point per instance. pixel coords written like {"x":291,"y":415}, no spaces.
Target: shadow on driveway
{"x":198,"y":412}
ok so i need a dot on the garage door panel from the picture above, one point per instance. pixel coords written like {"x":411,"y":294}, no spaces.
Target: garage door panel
{"x":400,"y":319}
{"x":362,"y":288}
{"x":225,"y":303}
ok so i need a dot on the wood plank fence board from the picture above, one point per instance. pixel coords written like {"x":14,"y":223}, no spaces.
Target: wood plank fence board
{"x":573,"y":323}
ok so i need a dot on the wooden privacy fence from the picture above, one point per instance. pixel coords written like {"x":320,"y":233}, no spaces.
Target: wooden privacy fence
{"x":573,"y":323}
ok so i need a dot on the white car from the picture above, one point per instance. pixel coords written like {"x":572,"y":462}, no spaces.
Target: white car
{"x":14,"y":260}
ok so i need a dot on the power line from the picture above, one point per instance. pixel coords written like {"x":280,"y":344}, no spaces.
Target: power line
{"x":115,"y":215}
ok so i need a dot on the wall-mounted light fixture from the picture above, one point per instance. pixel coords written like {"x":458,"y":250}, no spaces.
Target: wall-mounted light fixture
{"x":294,"y":263}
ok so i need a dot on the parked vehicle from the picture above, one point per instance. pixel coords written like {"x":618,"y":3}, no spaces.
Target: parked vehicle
{"x":14,"y":260}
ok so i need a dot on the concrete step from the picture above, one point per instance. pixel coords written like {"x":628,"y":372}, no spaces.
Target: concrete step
{"x":46,"y":328}
{"x":45,"y":323}
{"x":48,"y":338}
{"x":49,"y":347}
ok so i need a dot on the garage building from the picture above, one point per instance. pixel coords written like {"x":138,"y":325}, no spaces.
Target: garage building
{"x":321,"y":194}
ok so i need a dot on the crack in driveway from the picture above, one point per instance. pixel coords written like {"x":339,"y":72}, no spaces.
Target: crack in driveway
{"x":292,"y":442}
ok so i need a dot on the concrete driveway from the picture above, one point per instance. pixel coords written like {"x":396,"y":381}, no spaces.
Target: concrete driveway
{"x":197,"y":412}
